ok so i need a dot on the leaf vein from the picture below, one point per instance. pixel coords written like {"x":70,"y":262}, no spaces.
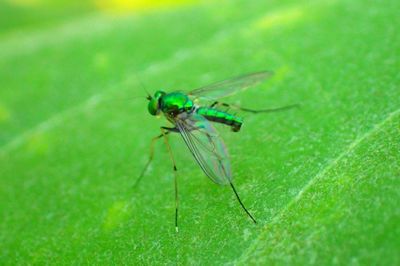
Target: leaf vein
{"x":376,"y":128}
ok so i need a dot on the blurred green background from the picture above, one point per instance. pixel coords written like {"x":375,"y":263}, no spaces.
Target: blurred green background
{"x":323,"y":180}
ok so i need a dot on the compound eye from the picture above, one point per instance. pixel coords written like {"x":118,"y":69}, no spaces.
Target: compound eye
{"x":153,"y":106}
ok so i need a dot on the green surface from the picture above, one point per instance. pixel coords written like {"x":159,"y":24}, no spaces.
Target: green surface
{"x":322,"y":181}
{"x":20,"y":15}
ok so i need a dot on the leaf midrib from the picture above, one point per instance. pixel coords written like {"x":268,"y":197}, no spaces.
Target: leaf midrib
{"x":348,"y":150}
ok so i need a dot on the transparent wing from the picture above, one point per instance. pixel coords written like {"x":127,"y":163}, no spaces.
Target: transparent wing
{"x":206,"y":146}
{"x":230,"y":86}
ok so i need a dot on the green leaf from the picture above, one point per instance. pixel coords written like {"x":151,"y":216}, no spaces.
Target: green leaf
{"x":346,"y":213}
{"x":322,"y":180}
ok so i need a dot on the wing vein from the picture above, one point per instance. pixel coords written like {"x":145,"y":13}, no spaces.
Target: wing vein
{"x":206,"y":147}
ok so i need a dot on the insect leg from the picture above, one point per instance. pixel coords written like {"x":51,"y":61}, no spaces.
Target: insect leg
{"x":282,"y":108}
{"x":241,"y":204}
{"x":153,"y":141}
{"x":151,"y":156}
{"x":164,"y":133}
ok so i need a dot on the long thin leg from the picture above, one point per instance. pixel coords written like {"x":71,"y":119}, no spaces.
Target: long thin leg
{"x":256,"y":111}
{"x":163,"y":131}
{"x":151,"y":156}
{"x":241,"y":204}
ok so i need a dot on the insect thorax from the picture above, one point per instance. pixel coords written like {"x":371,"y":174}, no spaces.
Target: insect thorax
{"x":175,"y":103}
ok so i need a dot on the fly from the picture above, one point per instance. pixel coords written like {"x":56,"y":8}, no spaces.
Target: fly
{"x":194,"y":123}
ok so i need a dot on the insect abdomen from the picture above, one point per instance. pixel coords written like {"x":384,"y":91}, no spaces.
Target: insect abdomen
{"x":215,"y":115}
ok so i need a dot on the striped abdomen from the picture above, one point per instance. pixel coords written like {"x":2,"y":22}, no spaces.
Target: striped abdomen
{"x":215,"y":115}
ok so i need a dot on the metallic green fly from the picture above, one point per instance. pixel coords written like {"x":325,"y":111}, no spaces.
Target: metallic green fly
{"x":194,"y":123}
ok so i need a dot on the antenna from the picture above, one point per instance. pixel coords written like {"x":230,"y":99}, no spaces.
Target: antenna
{"x":143,"y":87}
